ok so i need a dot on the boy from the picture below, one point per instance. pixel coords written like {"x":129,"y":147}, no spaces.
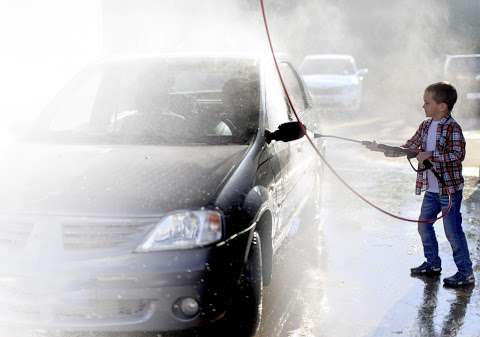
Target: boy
{"x":440,"y":140}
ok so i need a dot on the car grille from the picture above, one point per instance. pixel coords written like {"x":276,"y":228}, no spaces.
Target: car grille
{"x":30,"y":299}
{"x":102,"y":234}
{"x":14,"y":234}
{"x":77,"y":234}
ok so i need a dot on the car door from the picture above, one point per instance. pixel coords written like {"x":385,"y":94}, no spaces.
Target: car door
{"x":302,"y":161}
{"x":277,"y":113}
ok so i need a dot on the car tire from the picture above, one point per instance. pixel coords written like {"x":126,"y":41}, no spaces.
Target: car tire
{"x":244,"y":315}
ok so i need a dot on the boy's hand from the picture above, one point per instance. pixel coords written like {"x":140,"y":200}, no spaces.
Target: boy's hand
{"x":424,"y":155}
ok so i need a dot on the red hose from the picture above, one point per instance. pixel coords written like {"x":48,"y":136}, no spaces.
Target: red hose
{"x":444,"y":213}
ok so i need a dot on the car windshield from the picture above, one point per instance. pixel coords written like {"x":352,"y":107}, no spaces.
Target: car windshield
{"x":173,"y":101}
{"x":327,"y":67}
{"x":464,"y":66}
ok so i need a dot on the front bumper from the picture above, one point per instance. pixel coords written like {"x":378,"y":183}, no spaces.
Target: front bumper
{"x":129,"y":293}
{"x":341,"y":101}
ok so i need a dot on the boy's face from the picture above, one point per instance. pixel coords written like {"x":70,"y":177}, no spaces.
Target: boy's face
{"x":432,"y":108}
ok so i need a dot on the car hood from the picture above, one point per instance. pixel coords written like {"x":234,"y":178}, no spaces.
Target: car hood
{"x":113,"y":180}
{"x":330,"y":81}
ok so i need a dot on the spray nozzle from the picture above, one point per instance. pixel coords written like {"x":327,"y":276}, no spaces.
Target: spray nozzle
{"x":371,"y":145}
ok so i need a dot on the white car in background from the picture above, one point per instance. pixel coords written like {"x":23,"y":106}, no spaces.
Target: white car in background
{"x":334,"y":80}
{"x":463,"y":71}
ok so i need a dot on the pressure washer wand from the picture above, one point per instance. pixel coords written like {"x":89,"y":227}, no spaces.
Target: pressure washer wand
{"x":396,"y":151}
{"x":318,"y":135}
{"x":390,"y":151}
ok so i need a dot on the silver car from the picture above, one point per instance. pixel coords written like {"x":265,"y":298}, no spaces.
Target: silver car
{"x":334,"y":80}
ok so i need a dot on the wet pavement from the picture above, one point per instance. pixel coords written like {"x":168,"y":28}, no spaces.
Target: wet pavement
{"x":347,"y":272}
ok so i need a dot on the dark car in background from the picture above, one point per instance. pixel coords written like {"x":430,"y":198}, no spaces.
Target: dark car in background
{"x":463,"y":71}
{"x":146,"y":198}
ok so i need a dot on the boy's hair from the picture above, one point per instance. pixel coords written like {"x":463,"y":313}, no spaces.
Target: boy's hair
{"x":443,"y":92}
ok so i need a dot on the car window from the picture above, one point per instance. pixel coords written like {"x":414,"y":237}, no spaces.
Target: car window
{"x":278,"y":110}
{"x":327,"y":67}
{"x":164,"y":101}
{"x":86,"y":90}
{"x":294,"y":87}
{"x":463,"y":66}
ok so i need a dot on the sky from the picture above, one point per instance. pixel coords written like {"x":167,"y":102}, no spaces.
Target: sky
{"x":44,"y":43}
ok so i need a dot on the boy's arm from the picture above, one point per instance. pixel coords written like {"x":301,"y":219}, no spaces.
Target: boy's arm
{"x":456,"y":148}
{"x":415,"y":143}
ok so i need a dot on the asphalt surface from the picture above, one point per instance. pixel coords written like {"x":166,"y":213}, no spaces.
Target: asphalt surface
{"x":346,"y":273}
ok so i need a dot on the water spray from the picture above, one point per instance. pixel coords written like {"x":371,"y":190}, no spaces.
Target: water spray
{"x":386,"y":149}
{"x":391,"y":151}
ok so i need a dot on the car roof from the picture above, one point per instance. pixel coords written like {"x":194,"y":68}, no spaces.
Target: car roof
{"x":254,"y":57}
{"x":463,"y":56}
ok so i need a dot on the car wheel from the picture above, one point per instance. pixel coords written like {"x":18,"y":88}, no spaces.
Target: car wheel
{"x":244,"y":316}
{"x":247,"y":304}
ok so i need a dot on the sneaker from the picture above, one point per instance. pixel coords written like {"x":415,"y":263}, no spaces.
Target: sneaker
{"x":459,"y":280}
{"x":426,"y":269}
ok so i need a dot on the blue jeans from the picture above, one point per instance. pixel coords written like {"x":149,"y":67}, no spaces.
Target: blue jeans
{"x":452,"y":224}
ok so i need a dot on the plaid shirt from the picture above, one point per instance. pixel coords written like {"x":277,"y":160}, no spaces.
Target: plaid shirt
{"x":447,"y":157}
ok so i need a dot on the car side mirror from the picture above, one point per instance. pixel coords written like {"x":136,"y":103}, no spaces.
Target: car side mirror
{"x":286,"y":132}
{"x":362,"y":72}
{"x":477,"y":77}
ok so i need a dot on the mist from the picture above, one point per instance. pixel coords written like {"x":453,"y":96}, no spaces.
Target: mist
{"x":44,"y":44}
{"x":403,"y":43}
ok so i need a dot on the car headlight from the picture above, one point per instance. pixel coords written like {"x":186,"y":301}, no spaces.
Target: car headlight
{"x":183,"y":230}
